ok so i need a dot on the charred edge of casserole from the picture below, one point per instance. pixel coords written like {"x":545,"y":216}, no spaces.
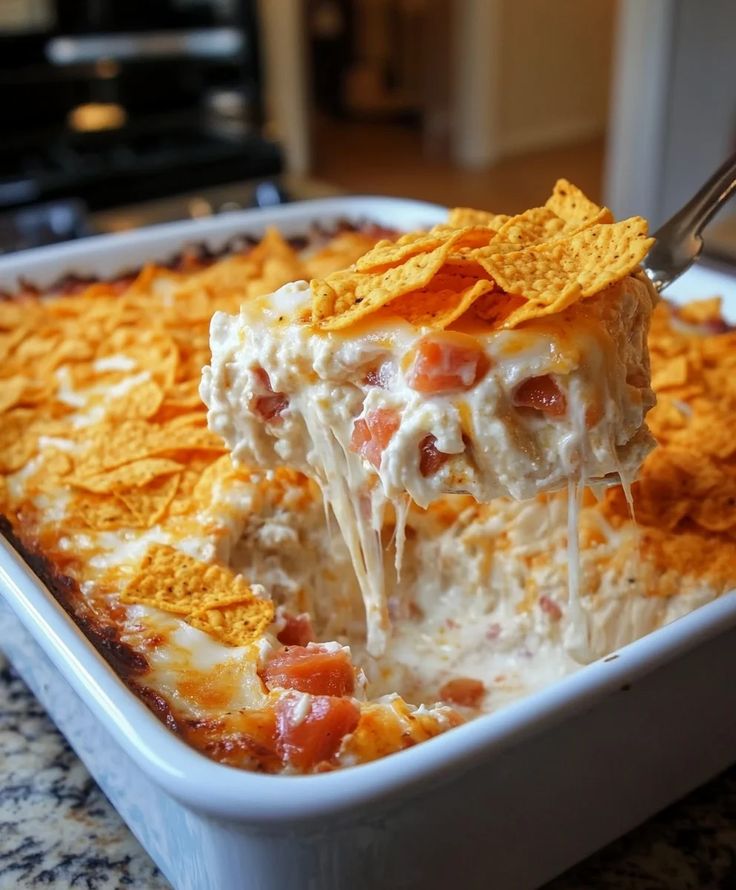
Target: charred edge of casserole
{"x":104,"y":637}
{"x":157,"y":704}
{"x":197,"y":256}
{"x":128,"y":665}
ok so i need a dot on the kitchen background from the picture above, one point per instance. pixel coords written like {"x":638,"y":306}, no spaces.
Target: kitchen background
{"x":122,"y":114}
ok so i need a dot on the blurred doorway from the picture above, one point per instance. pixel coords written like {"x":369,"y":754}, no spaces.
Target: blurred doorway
{"x":458,"y":101}
{"x":380,"y":70}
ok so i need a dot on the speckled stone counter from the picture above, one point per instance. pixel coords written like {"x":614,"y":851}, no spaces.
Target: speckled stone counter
{"x":58,"y":830}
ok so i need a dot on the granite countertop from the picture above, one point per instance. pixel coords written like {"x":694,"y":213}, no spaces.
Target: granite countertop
{"x":58,"y":830}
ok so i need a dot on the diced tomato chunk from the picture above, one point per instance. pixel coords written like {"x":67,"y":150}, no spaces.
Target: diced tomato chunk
{"x":593,"y":415}
{"x":717,"y":326}
{"x":430,"y":457}
{"x":638,"y":379}
{"x":306,"y":741}
{"x":313,"y":670}
{"x":446,"y":362}
{"x":271,"y":406}
{"x":372,"y":433}
{"x":261,"y":375}
{"x":548,"y":605}
{"x":542,"y":394}
{"x":463,"y":691}
{"x":380,"y":376}
{"x":119,"y":285}
{"x":297,"y":631}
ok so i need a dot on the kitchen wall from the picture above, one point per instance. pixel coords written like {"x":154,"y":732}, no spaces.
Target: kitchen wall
{"x":554,"y":71}
{"x":488,"y":78}
{"x":529,"y":75}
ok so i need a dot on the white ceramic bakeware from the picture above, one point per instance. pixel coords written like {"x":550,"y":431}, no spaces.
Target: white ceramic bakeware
{"x":506,"y":801}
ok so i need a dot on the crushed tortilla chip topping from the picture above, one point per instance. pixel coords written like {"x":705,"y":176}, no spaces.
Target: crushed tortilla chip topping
{"x":572,"y":206}
{"x":209,"y":597}
{"x":103,"y":435}
{"x":545,"y":258}
{"x":685,"y":496}
{"x":100,"y":412}
{"x":459,"y":217}
{"x":235,"y":623}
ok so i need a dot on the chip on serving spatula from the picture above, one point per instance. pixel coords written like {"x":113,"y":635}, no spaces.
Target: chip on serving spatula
{"x":491,"y":355}
{"x":494,"y":359}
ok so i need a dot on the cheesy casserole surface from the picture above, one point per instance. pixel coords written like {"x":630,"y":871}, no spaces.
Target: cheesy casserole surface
{"x":224,"y":594}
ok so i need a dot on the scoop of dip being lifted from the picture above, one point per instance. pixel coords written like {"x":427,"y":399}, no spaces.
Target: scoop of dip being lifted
{"x":492,"y":355}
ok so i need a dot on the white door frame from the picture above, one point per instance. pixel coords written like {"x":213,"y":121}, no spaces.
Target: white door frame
{"x":476,"y":36}
{"x":638,"y":116}
{"x":286,"y":74}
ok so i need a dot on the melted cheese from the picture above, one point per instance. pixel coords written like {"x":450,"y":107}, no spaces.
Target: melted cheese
{"x":518,"y":453}
{"x":473,"y":579}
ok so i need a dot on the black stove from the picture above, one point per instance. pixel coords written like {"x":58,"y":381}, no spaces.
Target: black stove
{"x":110,"y":103}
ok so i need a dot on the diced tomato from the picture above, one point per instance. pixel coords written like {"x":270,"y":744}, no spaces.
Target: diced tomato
{"x":271,"y":406}
{"x":297,"y":631}
{"x":72,"y":284}
{"x":717,"y":326}
{"x":239,"y":739}
{"x":463,"y":691}
{"x":446,"y":362}
{"x":308,"y":741}
{"x":430,"y":458}
{"x":542,"y":394}
{"x":121,"y":284}
{"x":593,"y":415}
{"x":313,"y":670}
{"x":638,"y":379}
{"x":381,"y":376}
{"x":261,"y":375}
{"x":548,"y":605}
{"x":372,"y":433}
{"x":361,"y":436}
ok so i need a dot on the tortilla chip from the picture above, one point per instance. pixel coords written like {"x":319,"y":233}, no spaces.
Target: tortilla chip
{"x":530,"y":227}
{"x":52,"y":473}
{"x":571,"y":205}
{"x":387,"y":254}
{"x":673,"y":373}
{"x":11,"y":391}
{"x":495,"y":308}
{"x":149,"y":503}
{"x":236,"y":624}
{"x":343,"y":298}
{"x":340,"y":252}
{"x":578,"y":266}
{"x":466,"y":237}
{"x":110,"y":445}
{"x":459,"y":217}
{"x":132,"y":475}
{"x":437,"y":307}
{"x":18,"y":440}
{"x":175,"y":582}
{"x":99,"y":512}
{"x":702,"y":311}
{"x":141,"y":401}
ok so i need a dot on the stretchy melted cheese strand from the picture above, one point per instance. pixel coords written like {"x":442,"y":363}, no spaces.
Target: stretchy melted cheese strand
{"x":479,"y":615}
{"x":415,"y":375}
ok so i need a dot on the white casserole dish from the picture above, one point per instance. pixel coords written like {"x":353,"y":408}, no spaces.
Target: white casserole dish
{"x":506,"y":801}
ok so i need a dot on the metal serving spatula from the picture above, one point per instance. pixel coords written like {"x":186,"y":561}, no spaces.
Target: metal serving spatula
{"x":679,"y":240}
